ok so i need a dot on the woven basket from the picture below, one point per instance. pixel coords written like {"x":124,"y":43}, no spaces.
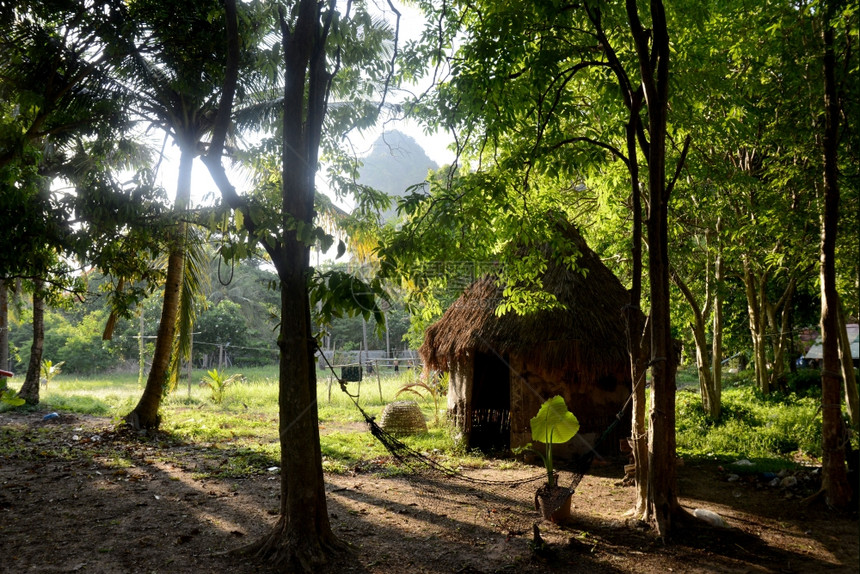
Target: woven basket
{"x":403,"y":417}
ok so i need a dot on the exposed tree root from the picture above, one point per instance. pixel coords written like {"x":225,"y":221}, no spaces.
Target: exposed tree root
{"x":813,"y":498}
{"x":669,"y":521}
{"x":133,"y":420}
{"x":289,"y":552}
{"x":821,"y":496}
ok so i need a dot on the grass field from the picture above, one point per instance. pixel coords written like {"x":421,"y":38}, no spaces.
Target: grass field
{"x":246,"y":421}
{"x":774,"y":429}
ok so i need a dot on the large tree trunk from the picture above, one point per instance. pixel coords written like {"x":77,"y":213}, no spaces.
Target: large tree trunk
{"x":30,"y":389}
{"x":145,"y":414}
{"x":302,"y":539}
{"x":4,"y":326}
{"x":652,"y":49}
{"x":834,"y":475}
{"x":638,"y":341}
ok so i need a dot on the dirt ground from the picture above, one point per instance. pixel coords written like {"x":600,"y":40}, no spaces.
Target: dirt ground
{"x":81,"y":497}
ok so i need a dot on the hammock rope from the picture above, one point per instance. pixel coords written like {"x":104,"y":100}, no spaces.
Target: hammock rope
{"x":410,"y":457}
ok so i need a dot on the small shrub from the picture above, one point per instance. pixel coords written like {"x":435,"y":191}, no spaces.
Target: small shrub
{"x":690,"y":414}
{"x":805,"y":382}
{"x":739,"y":379}
{"x":50,"y":370}
{"x":218,"y":383}
{"x":435,"y":388}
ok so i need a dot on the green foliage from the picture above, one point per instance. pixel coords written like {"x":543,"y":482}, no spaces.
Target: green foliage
{"x":83,"y":350}
{"x":239,"y":313}
{"x":335,"y":293}
{"x":754,"y":427}
{"x":553,"y":424}
{"x":50,"y":370}
{"x":805,"y":382}
{"x":343,"y":451}
{"x":90,"y":405}
{"x":222,"y":324}
{"x":751,"y":425}
{"x":10,"y":397}
{"x":241,"y":462}
{"x":217,"y":383}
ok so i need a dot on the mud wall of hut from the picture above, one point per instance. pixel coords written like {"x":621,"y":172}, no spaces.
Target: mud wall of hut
{"x":595,"y":397}
{"x":460,"y":387}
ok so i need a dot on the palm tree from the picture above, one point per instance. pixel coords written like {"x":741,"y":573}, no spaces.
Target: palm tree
{"x":173,"y":62}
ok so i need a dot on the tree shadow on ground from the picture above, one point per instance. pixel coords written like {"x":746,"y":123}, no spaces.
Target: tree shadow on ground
{"x":138,"y":504}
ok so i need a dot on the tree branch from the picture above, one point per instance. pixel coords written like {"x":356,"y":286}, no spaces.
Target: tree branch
{"x":231,"y":76}
{"x":678,"y":168}
{"x":614,"y":150}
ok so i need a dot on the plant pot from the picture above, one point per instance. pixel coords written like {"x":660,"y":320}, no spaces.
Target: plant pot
{"x":553,"y":502}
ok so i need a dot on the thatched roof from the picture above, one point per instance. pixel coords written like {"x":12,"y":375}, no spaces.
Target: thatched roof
{"x":589,"y":332}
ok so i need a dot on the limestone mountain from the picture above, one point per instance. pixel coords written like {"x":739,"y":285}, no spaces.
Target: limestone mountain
{"x":396,"y":163}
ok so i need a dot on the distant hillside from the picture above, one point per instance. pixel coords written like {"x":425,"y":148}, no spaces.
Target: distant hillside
{"x":395,"y":163}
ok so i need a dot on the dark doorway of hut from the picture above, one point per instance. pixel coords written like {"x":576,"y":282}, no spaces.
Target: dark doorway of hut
{"x":491,"y":404}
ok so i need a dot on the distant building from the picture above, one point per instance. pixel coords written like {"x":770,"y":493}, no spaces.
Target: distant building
{"x":815,"y":352}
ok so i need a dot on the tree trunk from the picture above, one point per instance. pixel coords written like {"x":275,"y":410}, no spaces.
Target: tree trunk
{"x":4,"y":326}
{"x":706,"y":376}
{"x":145,"y":414}
{"x":780,"y":331}
{"x":834,"y":476}
{"x":848,"y":376}
{"x":639,"y":432}
{"x":652,"y":51}
{"x":756,"y":325}
{"x":710,"y":401}
{"x":302,"y":538}
{"x":30,"y":389}
{"x":717,"y":341}
{"x":635,"y":329}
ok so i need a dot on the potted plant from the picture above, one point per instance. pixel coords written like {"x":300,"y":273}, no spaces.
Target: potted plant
{"x":553,"y":424}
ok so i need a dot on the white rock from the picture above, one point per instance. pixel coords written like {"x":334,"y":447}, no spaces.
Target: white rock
{"x":710,"y":517}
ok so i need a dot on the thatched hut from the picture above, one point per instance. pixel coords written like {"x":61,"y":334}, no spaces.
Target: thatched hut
{"x":503,"y":367}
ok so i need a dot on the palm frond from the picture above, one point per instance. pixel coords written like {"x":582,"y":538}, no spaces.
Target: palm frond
{"x":262,"y":108}
{"x":195,"y":281}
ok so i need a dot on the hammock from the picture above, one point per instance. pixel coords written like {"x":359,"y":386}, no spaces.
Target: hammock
{"x":512,"y":503}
